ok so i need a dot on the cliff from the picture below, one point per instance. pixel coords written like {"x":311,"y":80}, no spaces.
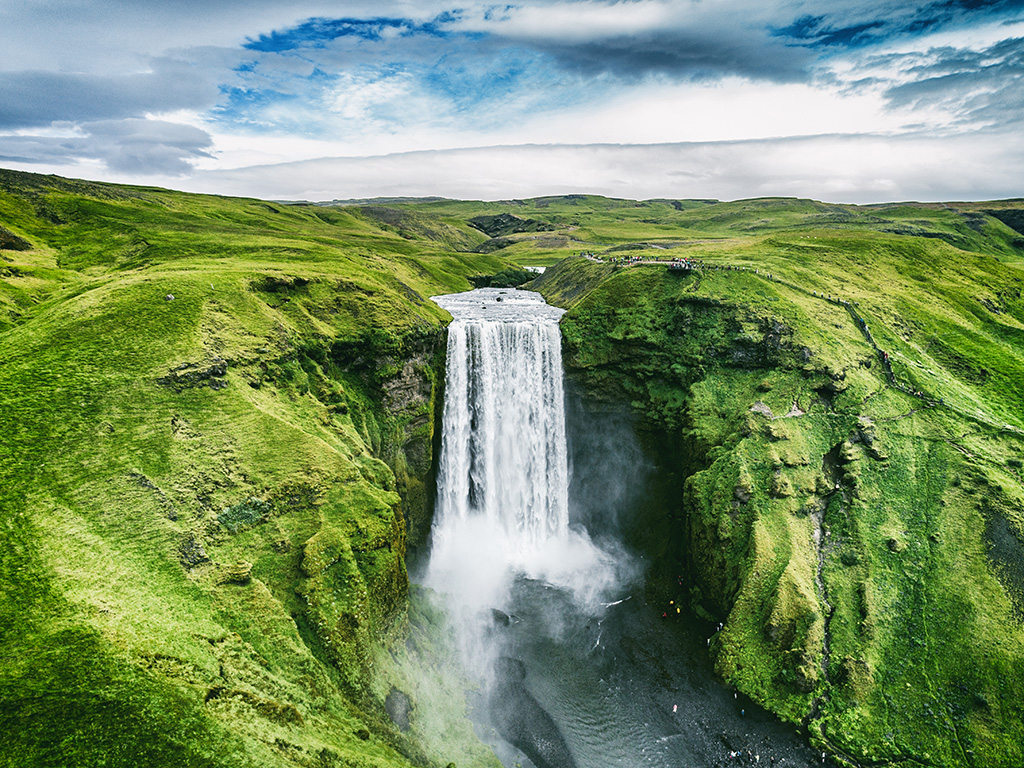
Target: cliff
{"x":837,"y":418}
{"x":218,"y":427}
{"x":218,"y":423}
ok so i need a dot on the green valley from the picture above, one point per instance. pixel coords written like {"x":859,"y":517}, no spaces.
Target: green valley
{"x":218,"y":431}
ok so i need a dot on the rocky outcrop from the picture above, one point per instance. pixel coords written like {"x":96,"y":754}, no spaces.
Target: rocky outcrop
{"x":11,"y":242}
{"x":504,"y":224}
{"x":209,"y":373}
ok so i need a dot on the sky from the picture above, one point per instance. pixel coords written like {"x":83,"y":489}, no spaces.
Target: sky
{"x":845,"y":101}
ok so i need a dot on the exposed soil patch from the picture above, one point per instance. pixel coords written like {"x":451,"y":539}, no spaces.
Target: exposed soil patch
{"x":1006,"y":551}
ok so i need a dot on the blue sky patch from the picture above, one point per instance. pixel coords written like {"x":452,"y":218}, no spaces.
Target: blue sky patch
{"x":814,"y":32}
{"x":318,"y":32}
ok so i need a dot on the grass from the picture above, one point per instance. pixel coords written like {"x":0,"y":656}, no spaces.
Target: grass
{"x":202,"y":545}
{"x":835,"y":524}
{"x":218,"y":422}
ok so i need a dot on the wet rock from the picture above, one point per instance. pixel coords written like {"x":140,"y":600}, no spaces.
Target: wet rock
{"x":410,"y":389}
{"x":522,"y":721}
{"x":399,"y":707}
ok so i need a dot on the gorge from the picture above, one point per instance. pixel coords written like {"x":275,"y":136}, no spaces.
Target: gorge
{"x":797,"y":466}
{"x":574,"y":669}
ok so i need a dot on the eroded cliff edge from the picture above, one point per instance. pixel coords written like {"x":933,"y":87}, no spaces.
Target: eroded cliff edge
{"x":841,"y":457}
{"x":217,"y":419}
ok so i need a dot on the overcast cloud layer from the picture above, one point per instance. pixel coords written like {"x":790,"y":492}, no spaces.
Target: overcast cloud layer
{"x":851,"y":100}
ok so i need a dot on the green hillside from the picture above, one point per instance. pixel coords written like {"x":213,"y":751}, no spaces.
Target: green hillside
{"x":857,"y":526}
{"x":218,"y":432}
{"x":217,"y":420}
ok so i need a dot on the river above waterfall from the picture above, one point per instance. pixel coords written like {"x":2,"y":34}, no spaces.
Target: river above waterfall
{"x":499,"y":304}
{"x":573,"y":668}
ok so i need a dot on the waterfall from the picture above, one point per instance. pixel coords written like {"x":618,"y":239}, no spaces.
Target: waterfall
{"x":542,"y":618}
{"x":503,"y":453}
{"x":502,"y":492}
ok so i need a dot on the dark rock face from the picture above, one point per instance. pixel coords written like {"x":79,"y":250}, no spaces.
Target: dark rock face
{"x":191,"y":552}
{"x":11,"y":242}
{"x":523,"y":722}
{"x":189,"y":375}
{"x":508,"y":224}
{"x":398,"y":706}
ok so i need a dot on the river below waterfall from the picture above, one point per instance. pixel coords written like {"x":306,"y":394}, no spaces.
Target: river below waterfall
{"x":574,"y":669}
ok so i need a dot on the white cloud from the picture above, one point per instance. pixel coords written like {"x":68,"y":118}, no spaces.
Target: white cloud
{"x":359,"y":97}
{"x":855,"y":169}
{"x":568,"y":21}
{"x":95,"y":82}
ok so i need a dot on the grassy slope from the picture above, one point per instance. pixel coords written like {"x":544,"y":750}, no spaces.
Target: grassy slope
{"x":885,"y":613}
{"x":668,"y":228}
{"x":314,"y":317}
{"x":898,"y":637}
{"x":196,"y":574}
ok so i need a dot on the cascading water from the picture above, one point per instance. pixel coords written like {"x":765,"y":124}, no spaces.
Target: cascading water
{"x":502,"y":513}
{"x":502,"y":504}
{"x":572,"y":672}
{"x":503,"y":454}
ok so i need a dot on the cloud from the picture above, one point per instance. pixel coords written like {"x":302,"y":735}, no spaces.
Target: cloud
{"x":132,"y":146}
{"x":855,"y":169}
{"x":38,"y":98}
{"x":104,"y":37}
{"x":318,"y":32}
{"x":399,"y":75}
{"x":700,"y":53}
{"x":484,"y":66}
{"x":977,"y":88}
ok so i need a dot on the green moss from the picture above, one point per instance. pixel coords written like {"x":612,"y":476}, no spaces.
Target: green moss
{"x":218,"y":421}
{"x":832,"y":521}
{"x":202,"y":402}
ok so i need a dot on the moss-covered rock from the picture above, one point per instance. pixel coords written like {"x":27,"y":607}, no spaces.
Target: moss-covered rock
{"x":831,"y":512}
